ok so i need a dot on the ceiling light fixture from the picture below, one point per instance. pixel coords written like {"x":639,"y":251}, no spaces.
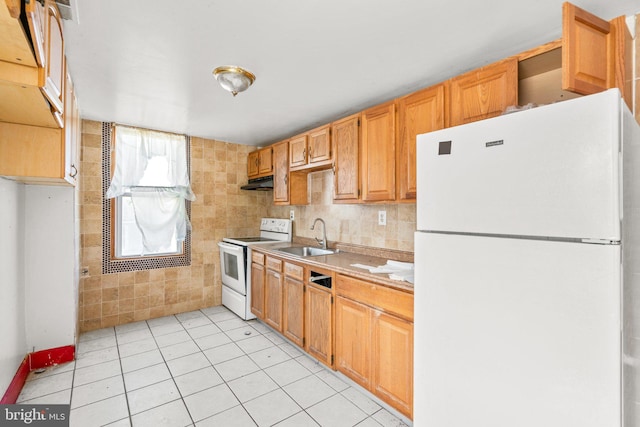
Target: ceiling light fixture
{"x":234,"y":79}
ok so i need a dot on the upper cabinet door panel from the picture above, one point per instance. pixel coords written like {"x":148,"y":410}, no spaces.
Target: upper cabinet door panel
{"x":252,"y":164}
{"x":346,"y":146}
{"x":54,"y":68}
{"x":280,"y":172}
{"x":418,"y":113}
{"x":378,"y":153}
{"x":485,"y":92}
{"x":36,"y":17}
{"x":587,"y":52}
{"x":319,"y":145}
{"x":298,"y":151}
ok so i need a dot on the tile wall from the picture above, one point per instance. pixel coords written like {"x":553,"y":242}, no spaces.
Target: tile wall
{"x":221,"y":209}
{"x":351,"y":223}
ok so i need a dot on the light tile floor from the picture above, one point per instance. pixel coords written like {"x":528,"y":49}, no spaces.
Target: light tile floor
{"x":202,"y":368}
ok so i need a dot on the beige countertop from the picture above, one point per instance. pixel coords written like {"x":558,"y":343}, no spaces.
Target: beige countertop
{"x":340,"y":263}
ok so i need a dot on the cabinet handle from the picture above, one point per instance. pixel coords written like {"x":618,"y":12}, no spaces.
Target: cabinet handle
{"x":304,"y":154}
{"x":286,"y":180}
{"x":310,"y":155}
{"x":333,"y":167}
{"x":74,"y":173}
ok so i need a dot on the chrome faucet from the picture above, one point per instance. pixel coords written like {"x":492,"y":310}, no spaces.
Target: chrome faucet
{"x":322,"y":242}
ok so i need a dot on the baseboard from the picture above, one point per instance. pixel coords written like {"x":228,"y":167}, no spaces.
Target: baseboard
{"x":15,"y":387}
{"x":33,"y":361}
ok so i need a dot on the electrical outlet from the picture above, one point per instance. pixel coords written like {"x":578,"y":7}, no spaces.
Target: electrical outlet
{"x":291,"y":215}
{"x":382,"y":217}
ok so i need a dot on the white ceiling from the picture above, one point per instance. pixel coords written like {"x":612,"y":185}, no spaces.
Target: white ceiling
{"x":148,"y":63}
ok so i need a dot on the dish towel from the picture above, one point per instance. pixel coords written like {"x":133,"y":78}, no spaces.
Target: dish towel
{"x":397,"y":270}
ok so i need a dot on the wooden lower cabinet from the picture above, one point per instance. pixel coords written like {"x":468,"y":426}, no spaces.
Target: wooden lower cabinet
{"x":319,"y":323}
{"x":273,"y":285}
{"x":374,"y":347}
{"x":257,"y":285}
{"x":392,"y":370}
{"x":360,"y":328}
{"x":293,"y":303}
{"x":353,"y":341}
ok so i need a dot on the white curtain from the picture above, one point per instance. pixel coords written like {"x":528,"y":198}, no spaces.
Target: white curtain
{"x":152,"y":167}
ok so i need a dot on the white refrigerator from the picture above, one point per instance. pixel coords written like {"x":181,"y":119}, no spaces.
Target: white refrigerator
{"x":527,"y":280}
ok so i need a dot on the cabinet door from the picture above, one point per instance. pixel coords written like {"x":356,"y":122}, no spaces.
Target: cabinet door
{"x":257,"y":290}
{"x":319,"y":143}
{"x":298,"y":151}
{"x":70,"y":132}
{"x":273,"y":299}
{"x":35,"y":14}
{"x":393,"y":361}
{"x":265,"y":161}
{"x":377,"y":155}
{"x":252,"y":164}
{"x":281,"y":173}
{"x":346,"y":146}
{"x":293,"y":308}
{"x":587,"y":54}
{"x":353,"y":341}
{"x":318,"y":330}
{"x":418,"y":113}
{"x":54,"y":68}
{"x":484,"y":93}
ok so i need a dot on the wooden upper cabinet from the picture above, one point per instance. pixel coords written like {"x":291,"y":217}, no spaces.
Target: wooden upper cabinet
{"x":418,"y":113}
{"x":298,"y":151}
{"x":260,"y":162}
{"x":32,"y":66}
{"x":311,"y":150}
{"x":319,"y":142}
{"x":281,"y":173}
{"x":377,"y":153}
{"x":54,"y":68}
{"x":596,"y":54}
{"x":587,"y":51}
{"x":252,"y":164}
{"x":265,"y":161}
{"x":484,"y":93}
{"x":623,"y":62}
{"x":346,"y":146}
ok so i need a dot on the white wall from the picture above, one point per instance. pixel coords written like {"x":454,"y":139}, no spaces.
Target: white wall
{"x":51,"y":294}
{"x":12,"y":310}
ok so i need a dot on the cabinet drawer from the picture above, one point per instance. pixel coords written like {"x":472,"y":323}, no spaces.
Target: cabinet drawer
{"x":257,"y":257}
{"x":274,"y":264}
{"x":294,"y":271}
{"x":378,"y":296}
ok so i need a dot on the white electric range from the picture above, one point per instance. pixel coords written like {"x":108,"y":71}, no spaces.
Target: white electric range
{"x":235,"y":262}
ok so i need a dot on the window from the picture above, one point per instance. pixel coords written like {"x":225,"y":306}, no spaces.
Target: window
{"x":149,"y":194}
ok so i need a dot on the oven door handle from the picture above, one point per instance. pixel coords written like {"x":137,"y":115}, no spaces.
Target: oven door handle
{"x":230,"y":247}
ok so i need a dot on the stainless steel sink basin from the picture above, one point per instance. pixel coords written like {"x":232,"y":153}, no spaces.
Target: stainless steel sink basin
{"x":303,"y":251}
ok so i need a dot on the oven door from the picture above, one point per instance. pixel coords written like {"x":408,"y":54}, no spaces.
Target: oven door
{"x":233,"y":270}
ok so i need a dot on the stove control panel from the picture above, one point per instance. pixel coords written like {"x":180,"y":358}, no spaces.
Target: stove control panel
{"x":276,"y":225}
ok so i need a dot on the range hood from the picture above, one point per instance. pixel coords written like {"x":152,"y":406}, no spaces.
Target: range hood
{"x":263,"y":184}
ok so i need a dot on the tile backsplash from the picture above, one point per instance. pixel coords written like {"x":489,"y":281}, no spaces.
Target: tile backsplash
{"x":350,"y":223}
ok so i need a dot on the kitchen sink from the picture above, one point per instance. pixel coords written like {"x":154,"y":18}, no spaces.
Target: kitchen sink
{"x":303,"y":251}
